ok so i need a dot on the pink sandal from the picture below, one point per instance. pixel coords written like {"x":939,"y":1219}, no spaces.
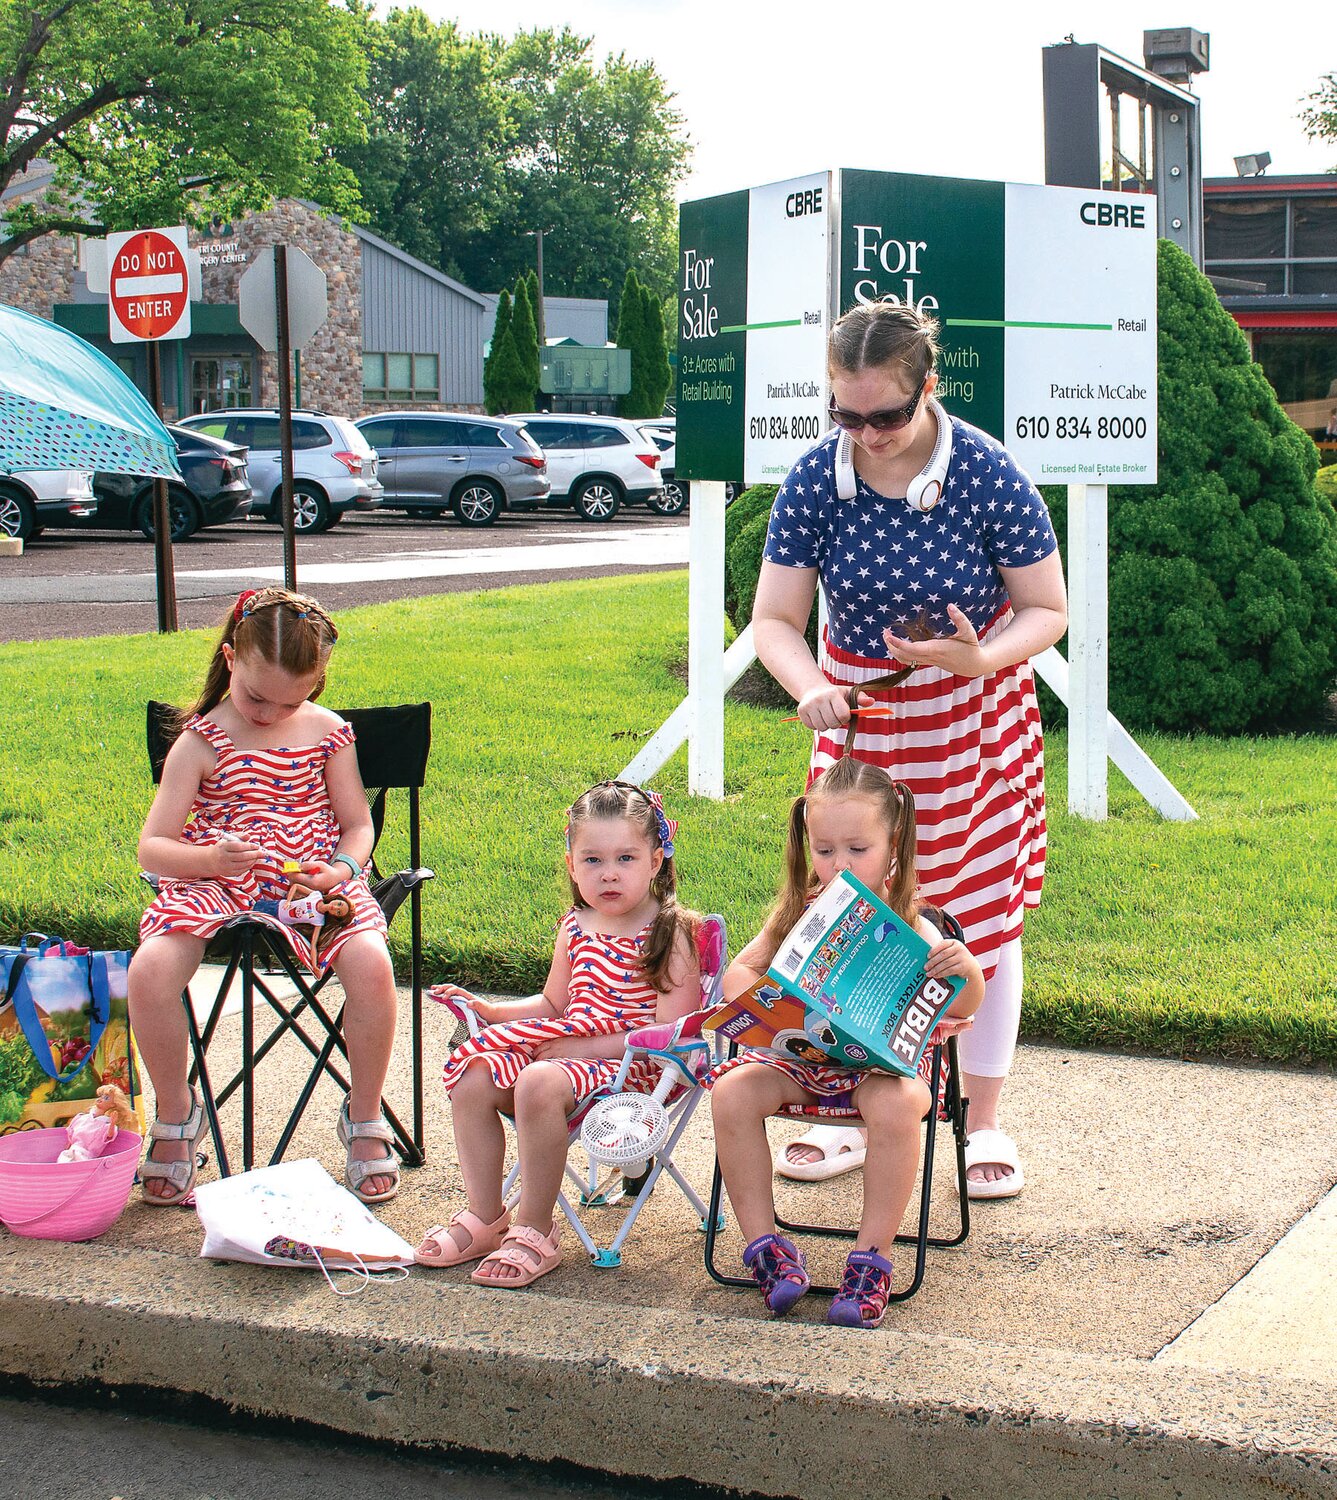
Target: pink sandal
{"x":483,"y":1240}
{"x":531,"y":1254}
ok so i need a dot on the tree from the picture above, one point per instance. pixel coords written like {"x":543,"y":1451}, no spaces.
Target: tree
{"x":500,"y":328}
{"x":511,"y":388}
{"x":1223,"y":575}
{"x":524,"y":334}
{"x":432,"y":169}
{"x":532,"y":282}
{"x":630,"y":336}
{"x":155,"y":111}
{"x":1319,"y":118}
{"x":658,"y":375}
{"x":478,"y":141}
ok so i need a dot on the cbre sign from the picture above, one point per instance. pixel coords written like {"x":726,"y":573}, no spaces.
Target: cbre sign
{"x":148,"y":285}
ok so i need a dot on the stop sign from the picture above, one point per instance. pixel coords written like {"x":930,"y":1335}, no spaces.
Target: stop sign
{"x":149,"y":285}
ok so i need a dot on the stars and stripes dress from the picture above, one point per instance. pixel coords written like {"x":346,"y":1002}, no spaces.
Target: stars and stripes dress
{"x":970,"y":749}
{"x":608,"y":996}
{"x":278,"y":800}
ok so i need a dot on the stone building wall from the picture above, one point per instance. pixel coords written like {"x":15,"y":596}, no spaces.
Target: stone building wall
{"x":332,"y":360}
{"x":40,"y":275}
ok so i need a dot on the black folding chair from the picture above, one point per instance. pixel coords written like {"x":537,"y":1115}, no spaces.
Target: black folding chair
{"x":392,"y":748}
{"x":944,"y":1085}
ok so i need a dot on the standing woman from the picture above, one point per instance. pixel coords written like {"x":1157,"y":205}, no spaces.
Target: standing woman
{"x":915,"y":521}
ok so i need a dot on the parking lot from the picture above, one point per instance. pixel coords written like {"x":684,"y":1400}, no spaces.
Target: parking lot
{"x":77,"y":582}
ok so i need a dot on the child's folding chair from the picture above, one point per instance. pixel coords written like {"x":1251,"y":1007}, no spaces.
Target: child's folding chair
{"x":948,"y":1104}
{"x":629,"y":1136}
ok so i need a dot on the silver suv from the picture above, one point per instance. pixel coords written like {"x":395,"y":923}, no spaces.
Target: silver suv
{"x":454,"y":463}
{"x":334,"y":467}
{"x":36,"y":498}
{"x":595,"y":464}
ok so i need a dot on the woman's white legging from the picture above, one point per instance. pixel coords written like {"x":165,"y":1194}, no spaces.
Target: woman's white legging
{"x":987,"y":1047}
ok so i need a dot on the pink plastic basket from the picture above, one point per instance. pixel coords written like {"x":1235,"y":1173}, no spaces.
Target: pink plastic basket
{"x":47,"y":1199}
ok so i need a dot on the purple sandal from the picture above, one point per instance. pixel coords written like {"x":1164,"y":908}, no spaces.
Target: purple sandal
{"x":864,"y":1291}
{"x":777,"y":1268}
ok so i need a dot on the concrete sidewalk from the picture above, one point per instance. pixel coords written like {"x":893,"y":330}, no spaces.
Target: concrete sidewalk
{"x":1155,"y":1315}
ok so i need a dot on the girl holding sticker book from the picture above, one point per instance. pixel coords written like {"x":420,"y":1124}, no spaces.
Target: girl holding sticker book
{"x":907,"y":516}
{"x":855,"y":819}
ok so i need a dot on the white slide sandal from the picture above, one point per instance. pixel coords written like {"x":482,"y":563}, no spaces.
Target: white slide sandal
{"x":998,"y":1148}
{"x":843,"y":1150}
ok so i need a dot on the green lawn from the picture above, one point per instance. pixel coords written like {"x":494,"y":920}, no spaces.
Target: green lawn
{"x":1216,"y":937}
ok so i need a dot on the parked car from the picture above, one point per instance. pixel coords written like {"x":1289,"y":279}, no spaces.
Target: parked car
{"x":672,"y":499}
{"x":34,"y":499}
{"x":663,"y":432}
{"x":433,"y":464}
{"x":334,"y":467}
{"x":595,"y":464}
{"x":214,"y":489}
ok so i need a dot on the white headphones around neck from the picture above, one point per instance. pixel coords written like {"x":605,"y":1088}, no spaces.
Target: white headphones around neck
{"x":925,"y":489}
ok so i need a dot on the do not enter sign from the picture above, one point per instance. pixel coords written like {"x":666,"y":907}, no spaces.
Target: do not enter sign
{"x":149,"y":285}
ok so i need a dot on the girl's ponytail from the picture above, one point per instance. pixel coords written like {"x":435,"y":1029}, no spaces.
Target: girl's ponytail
{"x":799,"y":883}
{"x":904,"y":881}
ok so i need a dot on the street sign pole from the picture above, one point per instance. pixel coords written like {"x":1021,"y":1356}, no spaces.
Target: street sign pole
{"x":162,"y":519}
{"x":282,"y":305}
{"x":149,"y":274}
{"x":285,"y":415}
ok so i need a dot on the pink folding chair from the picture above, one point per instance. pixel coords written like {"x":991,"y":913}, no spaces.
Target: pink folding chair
{"x":629,"y":1136}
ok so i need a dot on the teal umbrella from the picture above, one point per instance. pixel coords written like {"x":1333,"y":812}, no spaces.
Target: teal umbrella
{"x":65,"y":406}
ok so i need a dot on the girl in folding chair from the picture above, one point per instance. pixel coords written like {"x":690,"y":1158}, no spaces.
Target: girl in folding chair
{"x":625,"y":958}
{"x":854,"y":818}
{"x":261,"y":778}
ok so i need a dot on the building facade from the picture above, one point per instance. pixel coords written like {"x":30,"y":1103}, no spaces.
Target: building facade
{"x":1270,"y":247}
{"x":399,"y":333}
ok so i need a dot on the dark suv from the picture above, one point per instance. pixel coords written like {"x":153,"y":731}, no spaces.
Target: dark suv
{"x":433,"y":464}
{"x":214,"y":489}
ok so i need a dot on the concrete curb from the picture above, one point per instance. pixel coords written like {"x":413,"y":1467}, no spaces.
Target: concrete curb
{"x":1048,"y":1356}
{"x":665,"y":1394}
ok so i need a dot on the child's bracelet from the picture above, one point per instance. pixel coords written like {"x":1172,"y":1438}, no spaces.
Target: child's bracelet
{"x":354,"y":869}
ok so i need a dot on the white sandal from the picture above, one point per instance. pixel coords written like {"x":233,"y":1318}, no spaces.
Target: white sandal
{"x":843,"y":1149}
{"x":180,"y":1174}
{"x":357,"y":1171}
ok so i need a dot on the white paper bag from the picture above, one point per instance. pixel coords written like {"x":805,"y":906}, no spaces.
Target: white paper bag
{"x":295,"y":1214}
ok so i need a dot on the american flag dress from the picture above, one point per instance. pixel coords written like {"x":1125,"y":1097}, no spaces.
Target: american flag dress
{"x":970,"y":749}
{"x":608,"y":996}
{"x":276,"y":799}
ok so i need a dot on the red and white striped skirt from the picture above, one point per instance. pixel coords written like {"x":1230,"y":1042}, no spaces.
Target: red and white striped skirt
{"x":971,"y":751}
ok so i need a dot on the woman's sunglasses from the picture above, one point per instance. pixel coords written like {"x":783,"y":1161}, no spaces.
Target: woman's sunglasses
{"x":891,"y":420}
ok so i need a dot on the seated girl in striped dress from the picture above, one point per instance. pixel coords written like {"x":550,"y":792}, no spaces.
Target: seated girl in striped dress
{"x":625,"y":957}
{"x":853,"y":818}
{"x":260,"y":779}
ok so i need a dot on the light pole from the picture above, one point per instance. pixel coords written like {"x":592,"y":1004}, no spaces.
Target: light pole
{"x":537,"y":236}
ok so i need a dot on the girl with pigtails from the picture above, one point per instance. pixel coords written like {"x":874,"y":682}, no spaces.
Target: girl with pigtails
{"x":625,"y":957}
{"x":261,"y":778}
{"x":856,"y":819}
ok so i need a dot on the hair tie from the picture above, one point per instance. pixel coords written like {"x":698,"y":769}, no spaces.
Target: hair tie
{"x":239,"y":610}
{"x":667,"y":826}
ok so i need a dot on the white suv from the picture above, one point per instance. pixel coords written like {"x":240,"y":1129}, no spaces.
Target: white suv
{"x":34,"y":497}
{"x":595,"y":464}
{"x":333,"y":465}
